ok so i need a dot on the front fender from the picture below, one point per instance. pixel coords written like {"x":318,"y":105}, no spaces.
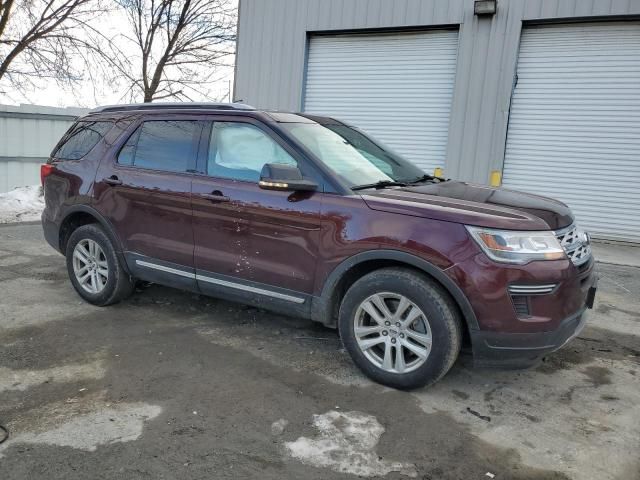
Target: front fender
{"x":323,"y":305}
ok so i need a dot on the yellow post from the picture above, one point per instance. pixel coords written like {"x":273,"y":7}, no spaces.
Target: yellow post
{"x":438,"y":172}
{"x":495,"y":179}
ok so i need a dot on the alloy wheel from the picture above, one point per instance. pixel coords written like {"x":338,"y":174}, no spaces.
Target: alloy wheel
{"x":392,"y":332}
{"x":90,"y":266}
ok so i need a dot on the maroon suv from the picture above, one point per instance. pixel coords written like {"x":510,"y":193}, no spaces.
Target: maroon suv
{"x":310,"y":217}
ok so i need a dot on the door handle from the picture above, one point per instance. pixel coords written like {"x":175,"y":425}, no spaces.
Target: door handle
{"x":112,"y":180}
{"x":215,"y":196}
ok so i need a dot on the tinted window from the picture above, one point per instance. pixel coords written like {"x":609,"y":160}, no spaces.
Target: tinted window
{"x":80,"y":139}
{"x":161,"y":145}
{"x":240,"y":150}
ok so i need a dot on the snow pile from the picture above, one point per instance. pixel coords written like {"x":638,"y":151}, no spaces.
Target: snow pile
{"x":347,"y":444}
{"x":22,"y":204}
{"x":120,"y":423}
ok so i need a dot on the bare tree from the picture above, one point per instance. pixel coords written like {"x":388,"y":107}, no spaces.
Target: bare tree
{"x":46,"y":39}
{"x":180,"y":44}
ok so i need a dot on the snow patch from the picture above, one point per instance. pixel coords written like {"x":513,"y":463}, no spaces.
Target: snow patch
{"x":277,"y":427}
{"x":121,"y":423}
{"x":346,"y":443}
{"x":22,"y":204}
{"x":21,"y":380}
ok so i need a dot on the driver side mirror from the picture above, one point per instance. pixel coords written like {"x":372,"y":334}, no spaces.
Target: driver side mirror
{"x":278,"y":176}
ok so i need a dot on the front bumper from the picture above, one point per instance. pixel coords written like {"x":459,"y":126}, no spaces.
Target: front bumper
{"x":523,"y":312}
{"x":522,"y":350}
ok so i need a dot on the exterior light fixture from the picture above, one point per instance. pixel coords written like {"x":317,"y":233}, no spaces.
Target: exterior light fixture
{"x":264,"y":183}
{"x":485,"y":7}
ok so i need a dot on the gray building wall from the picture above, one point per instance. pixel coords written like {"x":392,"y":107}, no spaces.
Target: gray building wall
{"x":273,"y":40}
{"x":28,"y":133}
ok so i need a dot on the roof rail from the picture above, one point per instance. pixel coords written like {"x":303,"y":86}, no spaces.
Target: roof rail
{"x":172,"y":106}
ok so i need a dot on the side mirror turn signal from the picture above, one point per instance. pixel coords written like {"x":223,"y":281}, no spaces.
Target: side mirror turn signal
{"x":278,"y":176}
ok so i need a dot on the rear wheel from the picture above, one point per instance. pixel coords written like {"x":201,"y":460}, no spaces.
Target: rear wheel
{"x":401,"y":328}
{"x":94,"y":269}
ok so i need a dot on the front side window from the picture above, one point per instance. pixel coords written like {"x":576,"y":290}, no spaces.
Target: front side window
{"x":80,"y":139}
{"x":161,"y":145}
{"x":239,"y":151}
{"x":352,"y":155}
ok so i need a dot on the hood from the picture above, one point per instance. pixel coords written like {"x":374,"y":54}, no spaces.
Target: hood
{"x":472,"y":204}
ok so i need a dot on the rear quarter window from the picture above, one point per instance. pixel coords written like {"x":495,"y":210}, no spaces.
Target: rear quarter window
{"x":166,"y":145}
{"x":80,"y":139}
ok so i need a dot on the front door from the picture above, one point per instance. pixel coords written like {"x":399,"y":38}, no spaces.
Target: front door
{"x":250,"y":241}
{"x":144,"y":191}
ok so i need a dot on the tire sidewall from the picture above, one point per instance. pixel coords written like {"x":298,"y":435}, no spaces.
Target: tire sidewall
{"x":94,"y":233}
{"x":432,"y":304}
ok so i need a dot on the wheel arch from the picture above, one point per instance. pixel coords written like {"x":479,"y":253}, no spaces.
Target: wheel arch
{"x":325,"y":307}
{"x":79,"y":215}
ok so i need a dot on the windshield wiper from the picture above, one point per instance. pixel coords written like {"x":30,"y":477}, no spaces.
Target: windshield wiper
{"x":380,"y":184}
{"x":426,"y":178}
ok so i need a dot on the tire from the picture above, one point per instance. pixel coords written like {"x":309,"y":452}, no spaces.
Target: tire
{"x":110,"y":287}
{"x":437,"y":322}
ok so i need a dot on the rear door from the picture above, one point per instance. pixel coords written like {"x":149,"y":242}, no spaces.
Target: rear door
{"x":144,"y":190}
{"x":250,"y":241}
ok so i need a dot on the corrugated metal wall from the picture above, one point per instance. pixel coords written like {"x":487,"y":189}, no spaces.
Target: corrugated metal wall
{"x":28,"y":133}
{"x":575,"y":121}
{"x":362,"y":79}
{"x":272,"y":48}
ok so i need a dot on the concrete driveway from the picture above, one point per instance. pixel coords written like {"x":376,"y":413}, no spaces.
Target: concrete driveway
{"x":171,"y":384}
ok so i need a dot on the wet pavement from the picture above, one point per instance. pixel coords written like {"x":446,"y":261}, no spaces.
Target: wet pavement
{"x":172,"y":384}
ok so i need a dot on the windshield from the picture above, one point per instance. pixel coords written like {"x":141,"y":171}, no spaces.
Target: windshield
{"x":352,"y":155}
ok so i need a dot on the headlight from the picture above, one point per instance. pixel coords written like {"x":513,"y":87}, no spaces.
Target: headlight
{"x":517,"y":247}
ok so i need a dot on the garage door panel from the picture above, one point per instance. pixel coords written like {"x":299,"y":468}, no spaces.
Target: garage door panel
{"x":574,"y":125}
{"x":397,"y":87}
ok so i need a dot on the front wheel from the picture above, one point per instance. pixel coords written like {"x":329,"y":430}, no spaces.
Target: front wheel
{"x":400,"y":327}
{"x":94,"y":269}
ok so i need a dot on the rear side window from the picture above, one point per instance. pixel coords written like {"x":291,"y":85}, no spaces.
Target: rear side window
{"x":161,"y":145}
{"x":81,"y":139}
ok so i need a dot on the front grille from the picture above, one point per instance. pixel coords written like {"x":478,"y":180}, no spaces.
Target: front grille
{"x":575,"y":243}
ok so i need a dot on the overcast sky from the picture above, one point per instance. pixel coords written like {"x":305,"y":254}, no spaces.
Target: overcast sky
{"x":93,"y":92}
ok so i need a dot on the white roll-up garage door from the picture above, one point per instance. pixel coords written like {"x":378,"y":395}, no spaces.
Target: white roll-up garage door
{"x":396,"y":87}
{"x":574,"y":126}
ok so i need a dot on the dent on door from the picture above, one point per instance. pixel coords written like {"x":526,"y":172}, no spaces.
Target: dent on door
{"x":267,"y":237}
